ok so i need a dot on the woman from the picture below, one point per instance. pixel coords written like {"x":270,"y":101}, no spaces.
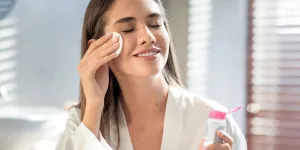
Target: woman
{"x":133,"y":100}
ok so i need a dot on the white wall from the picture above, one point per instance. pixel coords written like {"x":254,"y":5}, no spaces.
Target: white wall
{"x":48,"y":50}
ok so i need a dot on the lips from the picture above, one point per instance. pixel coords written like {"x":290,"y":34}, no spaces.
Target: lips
{"x":147,"y":52}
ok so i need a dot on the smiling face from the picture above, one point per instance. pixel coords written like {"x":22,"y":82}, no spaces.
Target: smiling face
{"x":145,"y":38}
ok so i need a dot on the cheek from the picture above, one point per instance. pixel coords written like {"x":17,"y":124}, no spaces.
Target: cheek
{"x":163,"y":34}
{"x":127,"y":50}
{"x":129,"y":43}
{"x":116,"y":64}
{"x":163,"y":40}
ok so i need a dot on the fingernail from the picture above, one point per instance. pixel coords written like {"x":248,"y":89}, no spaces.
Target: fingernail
{"x":115,"y":38}
{"x":205,"y":145}
{"x":108,"y":34}
{"x":221,"y":132}
{"x":115,"y":45}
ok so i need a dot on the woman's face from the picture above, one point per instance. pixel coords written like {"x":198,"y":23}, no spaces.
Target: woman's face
{"x":145,"y":38}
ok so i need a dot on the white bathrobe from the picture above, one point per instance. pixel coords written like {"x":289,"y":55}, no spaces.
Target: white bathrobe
{"x":184,"y":126}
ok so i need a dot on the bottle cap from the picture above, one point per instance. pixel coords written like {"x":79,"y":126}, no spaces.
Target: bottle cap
{"x":217,"y":115}
{"x":222,"y":115}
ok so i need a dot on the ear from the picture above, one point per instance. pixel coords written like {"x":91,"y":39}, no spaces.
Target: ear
{"x":90,"y":42}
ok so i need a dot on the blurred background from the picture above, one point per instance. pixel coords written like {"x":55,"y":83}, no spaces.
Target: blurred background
{"x":237,"y":52}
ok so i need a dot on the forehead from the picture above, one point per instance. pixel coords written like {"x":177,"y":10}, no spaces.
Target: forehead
{"x":138,"y":9}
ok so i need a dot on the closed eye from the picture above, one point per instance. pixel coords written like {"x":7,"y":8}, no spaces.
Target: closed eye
{"x":155,"y":26}
{"x":152,"y":26}
{"x":130,"y":30}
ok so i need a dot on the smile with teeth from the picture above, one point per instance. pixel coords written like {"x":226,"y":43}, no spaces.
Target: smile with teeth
{"x":147,"y":54}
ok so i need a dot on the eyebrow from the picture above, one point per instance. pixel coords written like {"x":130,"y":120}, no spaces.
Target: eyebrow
{"x":130,"y":19}
{"x":154,"y":15}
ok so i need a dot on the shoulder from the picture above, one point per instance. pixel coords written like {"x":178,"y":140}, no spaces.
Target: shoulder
{"x":195,"y":108}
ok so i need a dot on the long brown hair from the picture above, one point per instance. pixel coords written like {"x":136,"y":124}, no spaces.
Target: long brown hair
{"x":93,"y":28}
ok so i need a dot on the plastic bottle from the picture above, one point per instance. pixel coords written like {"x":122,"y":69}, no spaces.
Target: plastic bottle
{"x":215,"y":122}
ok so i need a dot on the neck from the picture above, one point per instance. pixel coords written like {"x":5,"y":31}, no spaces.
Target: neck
{"x":143,"y":97}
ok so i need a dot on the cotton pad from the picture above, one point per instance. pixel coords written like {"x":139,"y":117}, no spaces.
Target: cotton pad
{"x":115,"y":34}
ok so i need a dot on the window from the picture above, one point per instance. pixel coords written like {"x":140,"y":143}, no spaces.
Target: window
{"x":274,"y":75}
{"x":200,"y":14}
{"x":5,"y":7}
{"x":8,"y":62}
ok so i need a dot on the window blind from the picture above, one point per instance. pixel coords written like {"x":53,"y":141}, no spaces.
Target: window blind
{"x":5,"y":7}
{"x":7,"y":53}
{"x":274,"y":75}
{"x":200,"y":14}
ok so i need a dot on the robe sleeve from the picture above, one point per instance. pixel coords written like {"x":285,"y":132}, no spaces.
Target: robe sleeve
{"x":77,"y":136}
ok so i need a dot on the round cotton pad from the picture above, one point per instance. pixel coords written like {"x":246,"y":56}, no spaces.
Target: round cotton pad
{"x":115,"y":34}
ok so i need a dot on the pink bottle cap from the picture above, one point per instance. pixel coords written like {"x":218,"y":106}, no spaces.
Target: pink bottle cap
{"x":222,"y":115}
{"x":217,"y":115}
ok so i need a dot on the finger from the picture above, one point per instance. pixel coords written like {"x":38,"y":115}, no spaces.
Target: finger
{"x":91,"y":71}
{"x":107,"y":44}
{"x":87,"y":63}
{"x":108,"y":49}
{"x":110,"y":42}
{"x":218,"y":146}
{"x":225,"y":137}
{"x":201,"y":144}
{"x":97,"y":43}
{"x":103,"y":53}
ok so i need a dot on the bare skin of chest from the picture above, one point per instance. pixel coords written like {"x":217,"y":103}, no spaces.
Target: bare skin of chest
{"x":148,"y":137}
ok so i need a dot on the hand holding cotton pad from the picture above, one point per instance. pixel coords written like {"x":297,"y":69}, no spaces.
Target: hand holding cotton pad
{"x":115,"y":34}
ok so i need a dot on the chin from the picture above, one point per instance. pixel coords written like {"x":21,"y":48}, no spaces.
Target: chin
{"x":146,"y":72}
{"x":142,"y":70}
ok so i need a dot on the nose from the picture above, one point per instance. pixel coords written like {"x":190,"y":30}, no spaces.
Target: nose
{"x":146,"y":36}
